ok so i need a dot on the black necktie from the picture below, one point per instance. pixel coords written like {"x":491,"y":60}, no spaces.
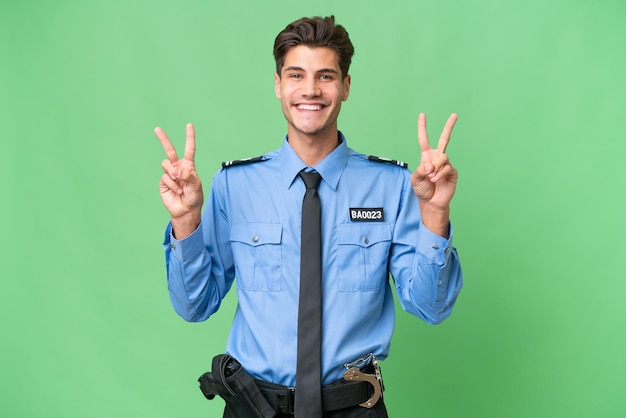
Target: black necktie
{"x":308,"y":402}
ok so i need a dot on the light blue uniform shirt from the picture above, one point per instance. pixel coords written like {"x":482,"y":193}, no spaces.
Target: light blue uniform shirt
{"x":370,"y":227}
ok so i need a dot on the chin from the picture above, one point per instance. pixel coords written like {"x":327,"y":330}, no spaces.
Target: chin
{"x":310,"y":131}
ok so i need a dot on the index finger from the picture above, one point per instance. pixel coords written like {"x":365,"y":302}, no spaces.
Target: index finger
{"x":422,"y":136}
{"x":444,"y":139}
{"x":190,"y":144}
{"x":167,"y":145}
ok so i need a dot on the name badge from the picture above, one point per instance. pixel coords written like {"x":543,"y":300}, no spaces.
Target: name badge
{"x":367,"y":215}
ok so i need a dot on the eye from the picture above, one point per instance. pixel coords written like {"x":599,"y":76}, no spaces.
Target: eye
{"x":295,"y":76}
{"x":326,"y":77}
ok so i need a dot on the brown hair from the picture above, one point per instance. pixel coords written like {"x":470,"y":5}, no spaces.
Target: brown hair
{"x":314,"y":32}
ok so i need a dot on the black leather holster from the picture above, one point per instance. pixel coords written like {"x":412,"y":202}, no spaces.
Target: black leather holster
{"x":231,"y":382}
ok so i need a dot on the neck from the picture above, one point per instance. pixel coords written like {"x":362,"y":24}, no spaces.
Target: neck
{"x":312,"y":148}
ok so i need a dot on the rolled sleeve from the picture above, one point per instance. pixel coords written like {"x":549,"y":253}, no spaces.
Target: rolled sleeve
{"x":432,"y":248}
{"x":185,"y":248}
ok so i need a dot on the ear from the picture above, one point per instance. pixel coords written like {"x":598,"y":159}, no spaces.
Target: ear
{"x":346,"y":87}
{"x":277,"y":85}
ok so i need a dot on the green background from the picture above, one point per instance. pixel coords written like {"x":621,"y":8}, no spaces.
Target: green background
{"x":87,"y":328}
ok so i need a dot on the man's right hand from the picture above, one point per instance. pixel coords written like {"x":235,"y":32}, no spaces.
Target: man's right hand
{"x":180,"y":186}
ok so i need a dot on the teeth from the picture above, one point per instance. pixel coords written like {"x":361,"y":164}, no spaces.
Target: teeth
{"x":309,"y":107}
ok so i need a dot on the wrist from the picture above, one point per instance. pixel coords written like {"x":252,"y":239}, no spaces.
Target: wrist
{"x":436,"y":219}
{"x":185,"y":225}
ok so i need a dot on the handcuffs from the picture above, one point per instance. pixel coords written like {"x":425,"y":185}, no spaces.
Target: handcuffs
{"x":353,"y":373}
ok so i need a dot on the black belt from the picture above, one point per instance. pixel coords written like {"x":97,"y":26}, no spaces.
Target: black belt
{"x":258,"y":398}
{"x":337,"y":395}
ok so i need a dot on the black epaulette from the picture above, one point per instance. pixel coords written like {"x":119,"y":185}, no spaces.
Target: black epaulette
{"x":232,"y":163}
{"x":387,"y":161}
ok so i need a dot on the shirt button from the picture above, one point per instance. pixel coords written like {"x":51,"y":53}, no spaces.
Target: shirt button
{"x":439,"y":283}
{"x":366,"y":240}
{"x":435,"y":246}
{"x":447,"y":250}
{"x":172,"y":246}
{"x":255,"y":238}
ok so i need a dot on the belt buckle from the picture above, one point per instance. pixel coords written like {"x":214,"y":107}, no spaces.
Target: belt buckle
{"x":353,"y":374}
{"x":286,"y":400}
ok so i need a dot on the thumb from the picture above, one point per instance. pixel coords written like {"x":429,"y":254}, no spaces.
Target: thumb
{"x":419,"y":174}
{"x":189,"y":176}
{"x":194,"y":181}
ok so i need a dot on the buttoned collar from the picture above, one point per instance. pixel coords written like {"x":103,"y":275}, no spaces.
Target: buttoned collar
{"x":330,"y":168}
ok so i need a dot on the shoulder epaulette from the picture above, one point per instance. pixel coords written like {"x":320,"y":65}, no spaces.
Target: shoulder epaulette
{"x":232,"y":163}
{"x":387,"y":161}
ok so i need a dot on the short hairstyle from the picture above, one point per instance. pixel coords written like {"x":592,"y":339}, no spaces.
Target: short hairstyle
{"x":314,"y":32}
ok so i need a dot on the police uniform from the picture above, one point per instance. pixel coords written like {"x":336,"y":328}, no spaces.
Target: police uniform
{"x":250,"y":231}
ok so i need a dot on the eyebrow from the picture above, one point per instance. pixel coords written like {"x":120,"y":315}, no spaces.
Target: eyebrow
{"x":323,"y":70}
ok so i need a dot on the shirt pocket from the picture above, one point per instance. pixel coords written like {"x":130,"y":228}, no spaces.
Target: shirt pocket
{"x":258,"y":256}
{"x":362,"y":254}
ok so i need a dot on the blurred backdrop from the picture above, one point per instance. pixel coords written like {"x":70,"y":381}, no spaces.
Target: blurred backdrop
{"x":86,"y":324}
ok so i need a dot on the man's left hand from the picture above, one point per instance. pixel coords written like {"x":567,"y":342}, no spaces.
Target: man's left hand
{"x":434,"y":180}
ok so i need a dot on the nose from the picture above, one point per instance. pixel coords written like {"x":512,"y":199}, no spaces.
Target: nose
{"x":311,"y":88}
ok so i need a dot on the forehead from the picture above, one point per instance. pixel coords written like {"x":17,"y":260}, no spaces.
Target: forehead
{"x":311,"y":59}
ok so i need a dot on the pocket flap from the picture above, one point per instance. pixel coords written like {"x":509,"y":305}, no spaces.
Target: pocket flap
{"x":256,"y":234}
{"x":364,"y":235}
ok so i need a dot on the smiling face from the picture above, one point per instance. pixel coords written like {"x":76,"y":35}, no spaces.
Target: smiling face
{"x":311,"y":88}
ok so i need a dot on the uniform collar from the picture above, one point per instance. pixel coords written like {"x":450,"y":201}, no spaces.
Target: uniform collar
{"x":330,"y":168}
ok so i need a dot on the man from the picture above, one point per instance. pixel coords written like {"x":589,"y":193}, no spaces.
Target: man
{"x":376,"y":218}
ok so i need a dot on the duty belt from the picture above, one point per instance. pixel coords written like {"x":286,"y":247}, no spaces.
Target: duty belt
{"x":361,"y":385}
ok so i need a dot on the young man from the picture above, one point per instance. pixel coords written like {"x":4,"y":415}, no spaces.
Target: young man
{"x":376,"y":218}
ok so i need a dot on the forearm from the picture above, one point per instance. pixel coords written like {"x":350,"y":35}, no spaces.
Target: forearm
{"x":429,"y":288}
{"x":434,"y":291}
{"x":195,"y":284}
